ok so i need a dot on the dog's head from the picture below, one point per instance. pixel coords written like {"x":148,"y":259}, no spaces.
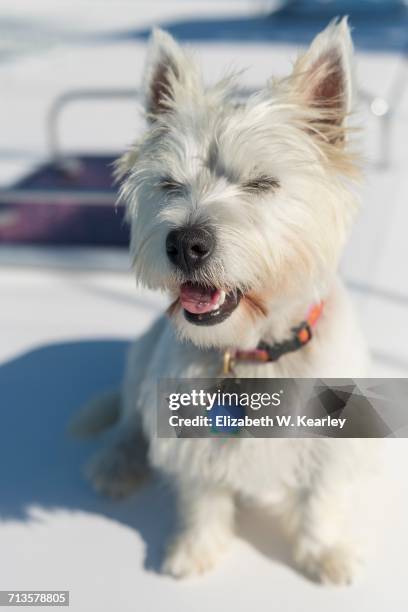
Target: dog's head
{"x":236,"y":205}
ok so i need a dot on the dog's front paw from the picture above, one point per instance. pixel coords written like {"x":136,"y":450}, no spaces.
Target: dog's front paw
{"x":337,"y":565}
{"x":188,"y":555}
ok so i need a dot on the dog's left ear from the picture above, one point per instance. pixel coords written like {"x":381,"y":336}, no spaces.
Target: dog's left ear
{"x":322,"y":79}
{"x":169,"y":74}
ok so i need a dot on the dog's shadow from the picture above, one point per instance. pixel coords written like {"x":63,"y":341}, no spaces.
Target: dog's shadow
{"x":41,"y":465}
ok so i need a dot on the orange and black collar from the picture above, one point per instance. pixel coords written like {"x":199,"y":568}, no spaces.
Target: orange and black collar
{"x":266,"y":353}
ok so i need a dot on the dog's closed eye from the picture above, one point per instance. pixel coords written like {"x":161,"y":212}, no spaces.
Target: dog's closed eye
{"x":261,"y":184}
{"x":170,"y":185}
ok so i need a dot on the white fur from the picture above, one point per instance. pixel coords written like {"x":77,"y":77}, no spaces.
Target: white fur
{"x":284,"y":246}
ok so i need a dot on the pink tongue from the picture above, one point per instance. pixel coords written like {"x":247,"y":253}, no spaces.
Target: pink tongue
{"x":196,"y":299}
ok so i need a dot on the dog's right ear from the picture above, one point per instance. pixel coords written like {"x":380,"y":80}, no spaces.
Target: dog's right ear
{"x":169,"y":72}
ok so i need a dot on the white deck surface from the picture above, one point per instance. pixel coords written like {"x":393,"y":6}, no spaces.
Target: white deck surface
{"x":64,"y":327}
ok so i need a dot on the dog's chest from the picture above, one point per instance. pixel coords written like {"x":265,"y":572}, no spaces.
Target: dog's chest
{"x":251,"y":466}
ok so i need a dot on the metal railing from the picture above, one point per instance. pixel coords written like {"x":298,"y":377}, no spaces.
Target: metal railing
{"x":383,"y":109}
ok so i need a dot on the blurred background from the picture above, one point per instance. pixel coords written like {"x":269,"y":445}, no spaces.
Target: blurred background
{"x":70,"y":75}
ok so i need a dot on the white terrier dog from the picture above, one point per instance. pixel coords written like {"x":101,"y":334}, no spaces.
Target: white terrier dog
{"x":240,"y":209}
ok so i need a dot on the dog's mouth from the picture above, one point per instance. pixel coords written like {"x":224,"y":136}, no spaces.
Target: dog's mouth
{"x":207,"y":305}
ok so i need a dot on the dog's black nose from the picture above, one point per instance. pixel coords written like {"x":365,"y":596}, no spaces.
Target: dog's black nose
{"x":189,"y":247}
